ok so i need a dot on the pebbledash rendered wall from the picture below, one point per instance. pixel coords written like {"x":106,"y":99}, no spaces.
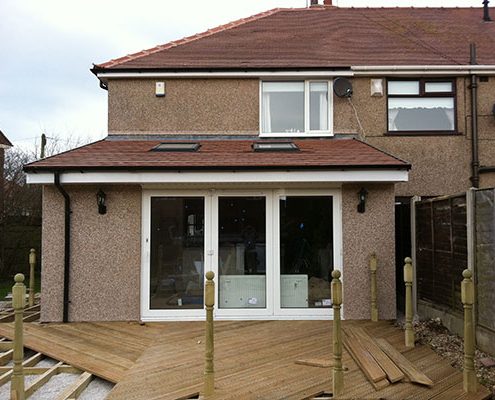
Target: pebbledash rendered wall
{"x":106,"y":255}
{"x":441,"y":163}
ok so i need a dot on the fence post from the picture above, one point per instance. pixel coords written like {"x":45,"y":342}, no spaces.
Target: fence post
{"x":209,"y":345}
{"x":18,"y":303}
{"x":467,"y":297}
{"x":338,"y":371}
{"x":374,"y":303}
{"x":32,"y":264}
{"x":408,"y":280}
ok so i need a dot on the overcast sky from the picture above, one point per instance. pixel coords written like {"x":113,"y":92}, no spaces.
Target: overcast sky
{"x":48,"y":46}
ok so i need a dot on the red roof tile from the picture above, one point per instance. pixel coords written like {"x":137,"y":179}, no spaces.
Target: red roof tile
{"x":326,"y":37}
{"x":221,"y":155}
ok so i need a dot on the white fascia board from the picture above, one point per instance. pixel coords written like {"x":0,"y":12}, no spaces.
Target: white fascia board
{"x":420,"y":70}
{"x":226,"y":74}
{"x":212,"y":177}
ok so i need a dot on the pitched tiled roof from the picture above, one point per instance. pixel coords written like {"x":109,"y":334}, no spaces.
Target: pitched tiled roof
{"x":4,"y":141}
{"x":220,"y":155}
{"x":326,"y":37}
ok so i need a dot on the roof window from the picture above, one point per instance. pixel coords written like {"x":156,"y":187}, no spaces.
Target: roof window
{"x":176,"y":146}
{"x":275,"y":146}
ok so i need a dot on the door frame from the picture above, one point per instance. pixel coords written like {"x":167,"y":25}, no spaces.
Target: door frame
{"x":272,"y":196}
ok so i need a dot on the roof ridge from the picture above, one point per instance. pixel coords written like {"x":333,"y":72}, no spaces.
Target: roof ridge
{"x":383,"y":151}
{"x":189,"y":39}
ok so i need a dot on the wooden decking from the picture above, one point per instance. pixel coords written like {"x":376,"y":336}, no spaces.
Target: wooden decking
{"x":253,"y":359}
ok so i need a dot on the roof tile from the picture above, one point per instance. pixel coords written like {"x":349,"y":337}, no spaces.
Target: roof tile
{"x":325,"y":37}
{"x":220,"y":154}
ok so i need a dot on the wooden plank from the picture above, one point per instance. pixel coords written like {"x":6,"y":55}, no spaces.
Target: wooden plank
{"x":4,"y":345}
{"x":7,"y":356}
{"x":404,"y":364}
{"x":364,"y":359}
{"x":33,"y":360}
{"x":394,"y":374}
{"x":44,"y":378}
{"x":316,"y":362}
{"x":66,"y":369}
{"x":32,"y":317}
{"x":75,"y":390}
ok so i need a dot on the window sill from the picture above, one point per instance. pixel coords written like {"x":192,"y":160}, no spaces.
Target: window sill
{"x":297,"y":135}
{"x":423,"y":133}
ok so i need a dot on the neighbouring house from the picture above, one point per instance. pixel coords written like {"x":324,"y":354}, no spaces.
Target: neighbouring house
{"x":4,"y":144}
{"x":270,"y":150}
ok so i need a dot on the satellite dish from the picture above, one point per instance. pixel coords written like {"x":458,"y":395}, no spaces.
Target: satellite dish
{"x":342,"y":87}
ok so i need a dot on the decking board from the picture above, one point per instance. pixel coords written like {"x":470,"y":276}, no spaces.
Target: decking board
{"x":253,"y":359}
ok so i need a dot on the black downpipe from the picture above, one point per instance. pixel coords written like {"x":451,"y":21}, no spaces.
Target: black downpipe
{"x":475,"y":162}
{"x":66,"y":246}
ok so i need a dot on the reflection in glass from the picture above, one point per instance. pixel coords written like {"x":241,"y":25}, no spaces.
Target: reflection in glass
{"x":318,"y":106}
{"x":421,"y":114}
{"x":177,"y":249}
{"x":306,"y":251}
{"x":283,"y":107}
{"x":242,"y":252}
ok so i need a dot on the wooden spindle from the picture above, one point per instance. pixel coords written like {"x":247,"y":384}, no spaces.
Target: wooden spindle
{"x":467,"y":298}
{"x":209,"y":344}
{"x":18,"y":302}
{"x":32,"y":264}
{"x":338,"y":371}
{"x":408,"y":280}
{"x":374,"y":294}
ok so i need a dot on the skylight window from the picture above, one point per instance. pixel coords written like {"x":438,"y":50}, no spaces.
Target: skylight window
{"x":176,"y":146}
{"x":275,"y":146}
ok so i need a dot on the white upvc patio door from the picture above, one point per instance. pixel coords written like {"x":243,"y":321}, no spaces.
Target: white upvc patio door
{"x":242,"y":247}
{"x":271,"y":250}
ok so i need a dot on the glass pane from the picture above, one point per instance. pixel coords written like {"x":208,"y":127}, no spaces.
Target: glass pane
{"x":438,"y":87}
{"x":421,"y":114}
{"x":403,"y":87}
{"x":282,"y":107}
{"x":318,"y":106}
{"x":242,"y":252}
{"x":306,"y":251}
{"x":177,"y":249}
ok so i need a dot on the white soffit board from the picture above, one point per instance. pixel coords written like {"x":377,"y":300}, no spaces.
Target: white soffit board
{"x":221,"y":177}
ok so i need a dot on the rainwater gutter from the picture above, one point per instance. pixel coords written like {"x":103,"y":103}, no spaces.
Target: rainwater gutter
{"x":67,"y":212}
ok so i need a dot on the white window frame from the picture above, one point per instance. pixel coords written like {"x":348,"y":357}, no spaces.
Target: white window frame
{"x":307,"y":132}
{"x":273,"y":311}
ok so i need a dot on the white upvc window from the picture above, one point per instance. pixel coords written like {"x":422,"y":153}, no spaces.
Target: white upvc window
{"x":296,"y":108}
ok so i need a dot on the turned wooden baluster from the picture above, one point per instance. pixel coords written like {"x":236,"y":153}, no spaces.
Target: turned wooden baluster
{"x":338,"y":371}
{"x":18,"y":303}
{"x":408,"y":280}
{"x":209,"y":345}
{"x":374,"y":303}
{"x":467,"y":298}
{"x":32,"y":264}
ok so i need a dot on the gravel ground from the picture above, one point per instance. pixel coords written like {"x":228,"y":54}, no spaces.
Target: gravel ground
{"x":98,"y":389}
{"x":450,"y":346}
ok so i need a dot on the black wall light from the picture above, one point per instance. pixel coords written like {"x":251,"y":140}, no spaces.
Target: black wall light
{"x":363,"y":193}
{"x":101,"y":201}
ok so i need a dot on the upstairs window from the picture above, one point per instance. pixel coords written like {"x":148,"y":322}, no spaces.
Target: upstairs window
{"x":421,"y":106}
{"x":295,"y":108}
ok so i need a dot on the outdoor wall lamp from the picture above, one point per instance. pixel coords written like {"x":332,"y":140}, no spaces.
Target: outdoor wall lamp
{"x":100,"y":200}
{"x":363,"y":193}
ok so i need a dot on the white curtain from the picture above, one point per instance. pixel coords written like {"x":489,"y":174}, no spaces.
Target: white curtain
{"x":266,"y":123}
{"x":323,"y":111}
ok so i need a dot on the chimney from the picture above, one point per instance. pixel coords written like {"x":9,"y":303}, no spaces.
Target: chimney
{"x":327,"y":2}
{"x":486,"y":11}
